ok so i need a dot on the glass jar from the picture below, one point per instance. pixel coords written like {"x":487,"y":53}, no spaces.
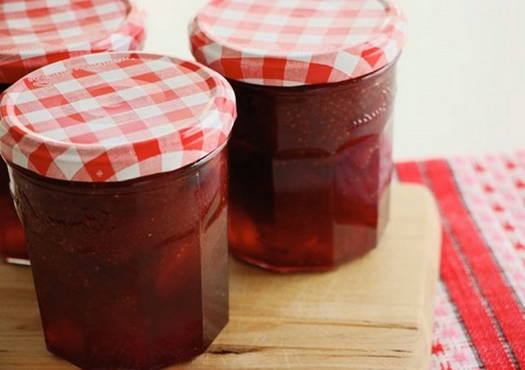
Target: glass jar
{"x":125,"y":215}
{"x":310,"y":171}
{"x":85,"y":27}
{"x":311,"y":153}
{"x":135,"y":274}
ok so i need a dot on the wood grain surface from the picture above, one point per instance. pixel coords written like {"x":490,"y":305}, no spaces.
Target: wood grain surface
{"x":374,"y":313}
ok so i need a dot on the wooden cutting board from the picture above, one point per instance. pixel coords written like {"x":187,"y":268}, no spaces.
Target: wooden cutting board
{"x":375,"y":313}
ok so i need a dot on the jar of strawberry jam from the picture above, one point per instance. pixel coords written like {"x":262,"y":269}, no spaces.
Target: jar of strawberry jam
{"x":311,"y":153}
{"x":38,"y":32}
{"x":119,"y":174}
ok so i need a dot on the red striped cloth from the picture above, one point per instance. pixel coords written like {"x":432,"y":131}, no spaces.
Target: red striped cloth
{"x":480,"y":308}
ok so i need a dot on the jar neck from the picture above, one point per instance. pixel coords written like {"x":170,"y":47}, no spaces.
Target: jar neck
{"x":151,"y":181}
{"x":357,"y":82}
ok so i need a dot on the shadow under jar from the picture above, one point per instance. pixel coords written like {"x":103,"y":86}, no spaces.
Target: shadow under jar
{"x":311,"y":152}
{"x":128,"y":242}
{"x":29,"y":41}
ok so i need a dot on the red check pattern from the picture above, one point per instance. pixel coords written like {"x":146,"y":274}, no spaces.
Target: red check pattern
{"x":480,"y":308}
{"x":297,"y":42}
{"x":115,"y":116}
{"x":39,"y":32}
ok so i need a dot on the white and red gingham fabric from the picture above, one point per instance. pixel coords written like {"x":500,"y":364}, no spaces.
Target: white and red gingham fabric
{"x":297,"y":42}
{"x":480,"y":307}
{"x":114,"y":116}
{"x":38,"y":32}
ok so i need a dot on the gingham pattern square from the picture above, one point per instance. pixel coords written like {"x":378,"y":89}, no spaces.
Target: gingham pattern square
{"x":114,"y":117}
{"x":297,"y":42}
{"x":39,"y":32}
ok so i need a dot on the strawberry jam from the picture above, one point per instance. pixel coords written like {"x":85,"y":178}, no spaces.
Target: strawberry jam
{"x":12,"y":241}
{"x":133,"y":274}
{"x":310,"y":170}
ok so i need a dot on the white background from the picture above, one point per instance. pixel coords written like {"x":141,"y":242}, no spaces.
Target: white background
{"x":461,"y":78}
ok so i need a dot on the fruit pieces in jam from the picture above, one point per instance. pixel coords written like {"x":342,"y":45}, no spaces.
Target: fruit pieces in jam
{"x":134,"y":275}
{"x":310,"y":169}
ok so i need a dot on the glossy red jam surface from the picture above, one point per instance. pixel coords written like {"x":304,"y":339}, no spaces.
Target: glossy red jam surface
{"x":12,"y":242}
{"x":310,"y":169}
{"x":129,"y":275}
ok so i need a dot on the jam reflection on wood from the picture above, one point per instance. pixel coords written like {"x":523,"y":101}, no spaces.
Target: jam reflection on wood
{"x":310,"y":171}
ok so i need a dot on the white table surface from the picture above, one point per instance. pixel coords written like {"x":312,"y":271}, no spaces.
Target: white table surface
{"x":461,"y":78}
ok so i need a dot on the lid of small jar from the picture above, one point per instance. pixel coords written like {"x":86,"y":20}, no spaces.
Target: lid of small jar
{"x":111,"y":117}
{"x":38,"y":32}
{"x":297,"y":42}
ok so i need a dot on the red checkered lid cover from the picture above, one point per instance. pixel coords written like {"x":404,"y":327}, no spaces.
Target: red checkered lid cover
{"x":115,"y":116}
{"x":297,"y":42}
{"x":38,"y":32}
